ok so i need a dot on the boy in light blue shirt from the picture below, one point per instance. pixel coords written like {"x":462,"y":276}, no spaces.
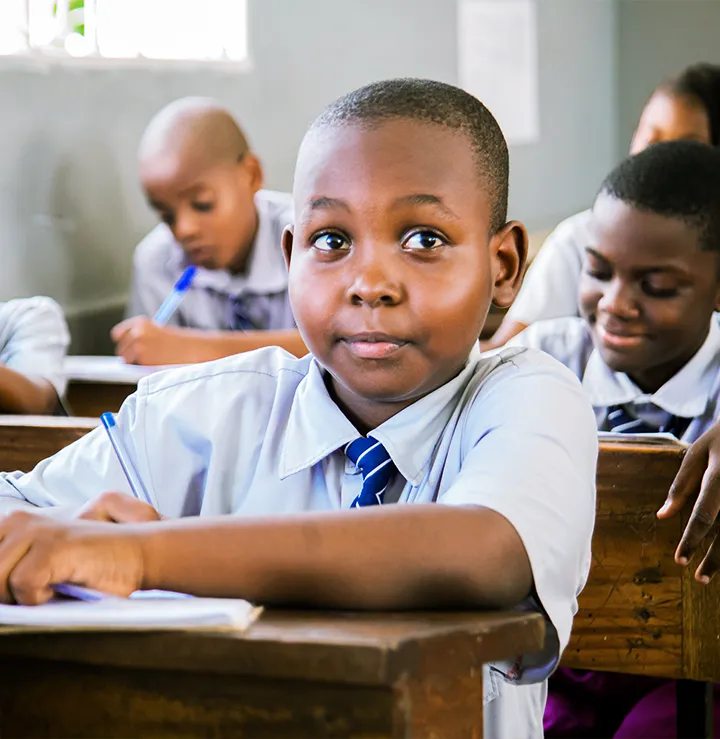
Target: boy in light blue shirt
{"x":333,"y":465}
{"x":647,"y":350}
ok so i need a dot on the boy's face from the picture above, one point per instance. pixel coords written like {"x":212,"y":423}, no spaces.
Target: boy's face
{"x":648,"y":291}
{"x":210,"y":209}
{"x":670,"y":118}
{"x":392,"y":265}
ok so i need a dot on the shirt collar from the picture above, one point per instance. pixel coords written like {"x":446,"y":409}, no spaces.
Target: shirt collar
{"x":266,"y":271}
{"x":317,"y":427}
{"x":686,"y":394}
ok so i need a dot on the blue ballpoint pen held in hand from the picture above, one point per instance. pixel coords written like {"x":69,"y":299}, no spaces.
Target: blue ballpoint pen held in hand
{"x":78,"y":592}
{"x":136,"y":484}
{"x":171,"y":303}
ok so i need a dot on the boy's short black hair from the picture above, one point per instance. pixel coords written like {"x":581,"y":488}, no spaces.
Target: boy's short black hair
{"x":677,"y":179}
{"x":433,"y":102}
{"x":702,"y":83}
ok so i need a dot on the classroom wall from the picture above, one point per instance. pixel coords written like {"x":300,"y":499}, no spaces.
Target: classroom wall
{"x":70,"y":207}
{"x":657,"y":38}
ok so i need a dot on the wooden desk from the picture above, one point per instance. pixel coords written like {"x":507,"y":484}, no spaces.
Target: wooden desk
{"x":293,"y":675}
{"x":99,"y":384}
{"x":27,"y":440}
{"x":640,"y":612}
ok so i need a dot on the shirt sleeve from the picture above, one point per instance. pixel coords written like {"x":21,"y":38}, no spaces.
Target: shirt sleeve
{"x":550,"y":289}
{"x":81,"y":471}
{"x":545,"y":488}
{"x":150,"y":282}
{"x":38,"y":342}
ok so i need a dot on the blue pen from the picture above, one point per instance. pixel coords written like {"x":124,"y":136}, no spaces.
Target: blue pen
{"x":171,"y":303}
{"x":78,"y":592}
{"x":136,"y":484}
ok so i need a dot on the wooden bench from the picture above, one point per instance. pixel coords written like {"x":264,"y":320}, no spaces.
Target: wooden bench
{"x":27,"y":440}
{"x":293,"y":675}
{"x":640,"y":612}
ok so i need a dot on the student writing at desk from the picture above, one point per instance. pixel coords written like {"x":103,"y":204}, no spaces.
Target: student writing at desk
{"x":647,"y":349}
{"x":33,"y":342}
{"x":685,"y":107}
{"x":199,"y":174}
{"x":379,"y":472}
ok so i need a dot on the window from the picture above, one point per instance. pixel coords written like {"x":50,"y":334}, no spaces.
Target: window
{"x":214,"y":30}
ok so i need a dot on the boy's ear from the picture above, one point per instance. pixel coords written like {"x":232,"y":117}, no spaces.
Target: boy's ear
{"x":253,"y":168}
{"x":508,"y":252}
{"x":287,"y":244}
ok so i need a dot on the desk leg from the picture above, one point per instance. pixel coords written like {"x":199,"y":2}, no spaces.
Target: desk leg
{"x":694,"y":710}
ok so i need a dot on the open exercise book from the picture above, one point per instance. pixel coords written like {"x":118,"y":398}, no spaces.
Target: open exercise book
{"x":144,"y":610}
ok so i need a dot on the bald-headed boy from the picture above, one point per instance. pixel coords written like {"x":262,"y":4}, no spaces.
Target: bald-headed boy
{"x":201,"y":177}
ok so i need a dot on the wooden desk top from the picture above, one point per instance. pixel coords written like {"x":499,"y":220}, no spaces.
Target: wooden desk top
{"x":351,"y":648}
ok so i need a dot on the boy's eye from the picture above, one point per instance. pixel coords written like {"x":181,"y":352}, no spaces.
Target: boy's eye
{"x":656,"y":289}
{"x":330,"y":242}
{"x":423,"y":240}
{"x":202,"y":207}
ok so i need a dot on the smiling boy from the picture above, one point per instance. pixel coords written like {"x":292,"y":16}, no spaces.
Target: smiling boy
{"x":380,"y":471}
{"x":647,"y":350}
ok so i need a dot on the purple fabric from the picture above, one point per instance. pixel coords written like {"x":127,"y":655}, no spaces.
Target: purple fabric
{"x":604,"y":704}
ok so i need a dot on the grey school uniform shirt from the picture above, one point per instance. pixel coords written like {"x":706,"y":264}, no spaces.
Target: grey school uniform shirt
{"x":258,"y":434}
{"x":34,"y":338}
{"x":692,"y":393}
{"x":550,"y":288}
{"x":210,"y":303}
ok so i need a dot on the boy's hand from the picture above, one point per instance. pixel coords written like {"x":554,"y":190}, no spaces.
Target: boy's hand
{"x":140,"y":341}
{"x":37,"y":552}
{"x":699,"y":475}
{"x":118,"y":508}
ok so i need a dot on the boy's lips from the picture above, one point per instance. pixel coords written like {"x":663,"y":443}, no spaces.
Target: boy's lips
{"x":618,"y":339}
{"x":373,"y":345}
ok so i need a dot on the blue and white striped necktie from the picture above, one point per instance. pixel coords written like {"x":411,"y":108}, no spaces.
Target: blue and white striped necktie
{"x":621,"y":420}
{"x":371,"y":457}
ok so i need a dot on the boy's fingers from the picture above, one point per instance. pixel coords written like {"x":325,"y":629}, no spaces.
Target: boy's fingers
{"x":687,"y":481}
{"x":710,"y":564}
{"x":118,"y":331}
{"x":118,"y":508}
{"x":14,"y":544}
{"x":29,"y":581}
{"x":702,"y":518}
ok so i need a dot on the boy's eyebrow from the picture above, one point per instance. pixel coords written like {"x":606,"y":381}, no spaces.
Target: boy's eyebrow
{"x":323,"y":203}
{"x":597,"y":255}
{"x":425,"y":199}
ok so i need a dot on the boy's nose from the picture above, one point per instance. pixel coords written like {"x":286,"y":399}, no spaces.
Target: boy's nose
{"x":373,"y":285}
{"x":186,"y":228}
{"x":618,"y":299}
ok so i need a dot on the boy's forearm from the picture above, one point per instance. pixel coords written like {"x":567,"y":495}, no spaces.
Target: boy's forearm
{"x":390,"y":558}
{"x":24,"y":395}
{"x":204,"y":346}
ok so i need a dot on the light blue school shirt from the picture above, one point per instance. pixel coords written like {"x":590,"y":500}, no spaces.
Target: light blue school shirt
{"x":258,"y":434}
{"x":34,"y":338}
{"x":208,"y":305}
{"x":692,"y":393}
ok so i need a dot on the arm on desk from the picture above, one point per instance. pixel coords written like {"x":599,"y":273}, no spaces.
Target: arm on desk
{"x":364,"y":559}
{"x":140,"y":341}
{"x":23,"y":394}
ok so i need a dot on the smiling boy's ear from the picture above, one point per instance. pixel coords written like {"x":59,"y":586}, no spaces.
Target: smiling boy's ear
{"x":508,"y":253}
{"x":287,"y":244}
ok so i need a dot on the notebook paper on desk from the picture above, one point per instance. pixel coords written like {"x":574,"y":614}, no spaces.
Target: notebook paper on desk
{"x":156,"y":612}
{"x":107,"y":369}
